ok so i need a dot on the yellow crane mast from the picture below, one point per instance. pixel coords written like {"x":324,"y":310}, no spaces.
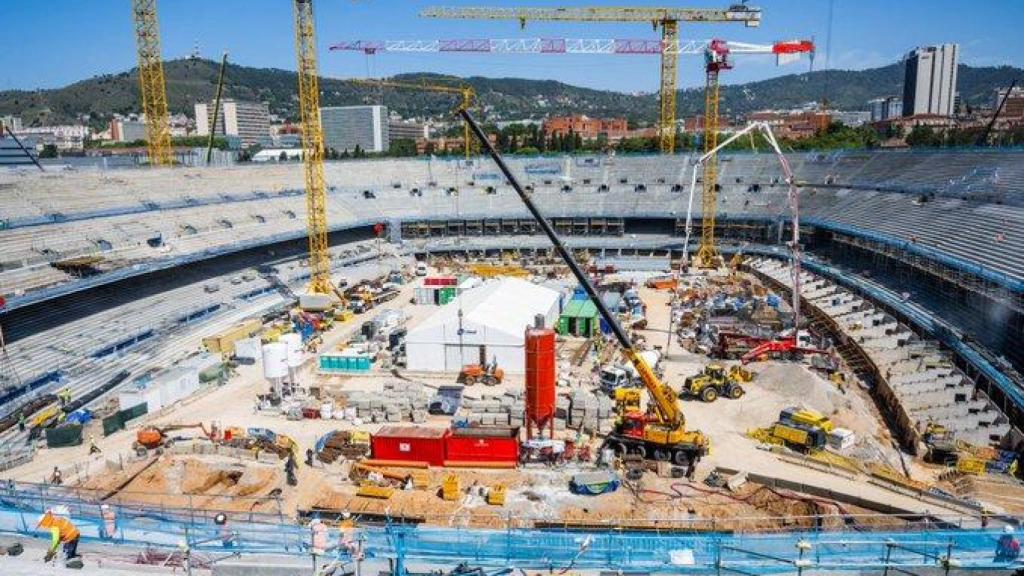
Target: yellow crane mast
{"x":466,"y":93}
{"x":665,"y":18}
{"x":151,"y":82}
{"x":707,"y":256}
{"x":312,"y":149}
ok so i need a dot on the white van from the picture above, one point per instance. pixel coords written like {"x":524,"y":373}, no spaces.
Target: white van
{"x":421,"y":268}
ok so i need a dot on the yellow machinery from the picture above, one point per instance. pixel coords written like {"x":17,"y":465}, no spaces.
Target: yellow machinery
{"x":661,"y":433}
{"x":496,"y":495}
{"x":151,"y":82}
{"x":312,"y":149}
{"x":495,"y":270}
{"x":665,"y":18}
{"x":450,"y":488}
{"x":466,"y":93}
{"x":627,"y":400}
{"x":714,"y":381}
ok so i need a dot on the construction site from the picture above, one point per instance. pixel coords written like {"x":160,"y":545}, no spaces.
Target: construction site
{"x":582,"y":364}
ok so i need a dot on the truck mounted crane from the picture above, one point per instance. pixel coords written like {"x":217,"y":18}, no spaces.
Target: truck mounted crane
{"x":660,"y":434}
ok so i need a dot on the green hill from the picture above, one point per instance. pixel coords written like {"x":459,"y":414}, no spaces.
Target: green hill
{"x":192,"y":80}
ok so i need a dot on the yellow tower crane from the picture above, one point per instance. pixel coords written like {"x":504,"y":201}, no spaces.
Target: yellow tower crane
{"x":665,"y":18}
{"x":151,"y":82}
{"x":466,"y":93}
{"x":312,"y":149}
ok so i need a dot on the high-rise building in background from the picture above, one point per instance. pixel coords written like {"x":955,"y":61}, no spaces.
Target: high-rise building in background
{"x":248,"y":121}
{"x":345,"y":127}
{"x":929,"y":84}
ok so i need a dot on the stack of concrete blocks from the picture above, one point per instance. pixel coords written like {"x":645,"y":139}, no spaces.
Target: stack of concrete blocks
{"x":508,"y":409}
{"x":591,"y":413}
{"x":399,"y":401}
{"x":923,"y":378}
{"x":490,"y":409}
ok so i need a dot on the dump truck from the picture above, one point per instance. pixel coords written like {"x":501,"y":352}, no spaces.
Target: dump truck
{"x":660,"y":434}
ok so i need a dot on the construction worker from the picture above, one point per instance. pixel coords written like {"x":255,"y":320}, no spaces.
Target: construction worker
{"x":56,"y":478}
{"x":349,"y":539}
{"x":65,"y":397}
{"x":21,"y":420}
{"x":227,"y":537}
{"x":317,"y":537}
{"x":1008,"y":547}
{"x":109,"y":517}
{"x":62,"y":531}
{"x":93,"y":448}
{"x":289,"y":470}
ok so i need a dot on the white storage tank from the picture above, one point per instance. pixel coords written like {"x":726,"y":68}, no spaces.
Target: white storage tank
{"x":275,"y":360}
{"x":294,"y":343}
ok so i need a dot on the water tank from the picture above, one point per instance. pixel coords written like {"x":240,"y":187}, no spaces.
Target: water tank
{"x":294,"y":343}
{"x":540,"y":378}
{"x":275,"y":360}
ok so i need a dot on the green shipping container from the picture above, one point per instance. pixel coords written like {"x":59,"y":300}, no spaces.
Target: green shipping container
{"x":70,"y":435}
{"x":129,"y":414}
{"x":446,"y":295}
{"x":112,"y":424}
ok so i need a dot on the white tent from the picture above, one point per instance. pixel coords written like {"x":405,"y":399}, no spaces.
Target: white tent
{"x":484,"y":323}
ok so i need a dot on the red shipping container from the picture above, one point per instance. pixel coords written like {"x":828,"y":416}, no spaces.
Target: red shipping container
{"x":417,"y":443}
{"x":491,"y":444}
{"x":440,"y":281}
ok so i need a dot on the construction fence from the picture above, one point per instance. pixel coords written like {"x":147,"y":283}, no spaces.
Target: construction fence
{"x":613,"y":547}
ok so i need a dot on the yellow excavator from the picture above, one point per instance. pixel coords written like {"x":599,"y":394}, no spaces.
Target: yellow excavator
{"x":660,"y":433}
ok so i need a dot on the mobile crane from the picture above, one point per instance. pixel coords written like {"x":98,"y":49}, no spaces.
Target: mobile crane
{"x":661,"y":433}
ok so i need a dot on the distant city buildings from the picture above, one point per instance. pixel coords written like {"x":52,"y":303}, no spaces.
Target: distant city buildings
{"x":929,"y":85}
{"x":885,"y":108}
{"x":402,"y":129}
{"x":345,"y":127}
{"x":125,"y":130}
{"x":793,"y":124}
{"x":66,"y":138}
{"x":247,"y":121}
{"x":614,"y":129}
{"x":1014,"y":106}
{"x":851,"y":118}
{"x":12,"y":123}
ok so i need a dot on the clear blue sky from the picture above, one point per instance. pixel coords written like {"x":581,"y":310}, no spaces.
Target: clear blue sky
{"x":51,"y":43}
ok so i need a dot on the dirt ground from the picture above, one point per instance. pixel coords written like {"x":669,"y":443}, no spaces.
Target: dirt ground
{"x":539,"y":493}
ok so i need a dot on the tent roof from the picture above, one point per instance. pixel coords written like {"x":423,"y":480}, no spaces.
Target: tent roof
{"x":505,"y":305}
{"x":580,"y":309}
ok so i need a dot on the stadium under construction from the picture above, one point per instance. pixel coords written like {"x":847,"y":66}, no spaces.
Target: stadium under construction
{"x":720,"y":362}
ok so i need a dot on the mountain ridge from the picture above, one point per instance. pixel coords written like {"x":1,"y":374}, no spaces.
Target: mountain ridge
{"x":192,"y":80}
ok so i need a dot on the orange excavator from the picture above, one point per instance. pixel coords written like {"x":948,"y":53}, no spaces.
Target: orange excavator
{"x":152,"y":437}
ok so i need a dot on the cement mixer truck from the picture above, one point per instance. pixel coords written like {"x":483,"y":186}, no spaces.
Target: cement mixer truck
{"x":625,"y":375}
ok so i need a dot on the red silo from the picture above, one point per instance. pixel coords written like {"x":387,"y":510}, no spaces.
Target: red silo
{"x":540,"y":380}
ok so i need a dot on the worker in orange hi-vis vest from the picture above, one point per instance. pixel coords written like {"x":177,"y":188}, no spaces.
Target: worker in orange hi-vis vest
{"x":109,"y":517}
{"x":62,"y":531}
{"x":349,"y":536}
